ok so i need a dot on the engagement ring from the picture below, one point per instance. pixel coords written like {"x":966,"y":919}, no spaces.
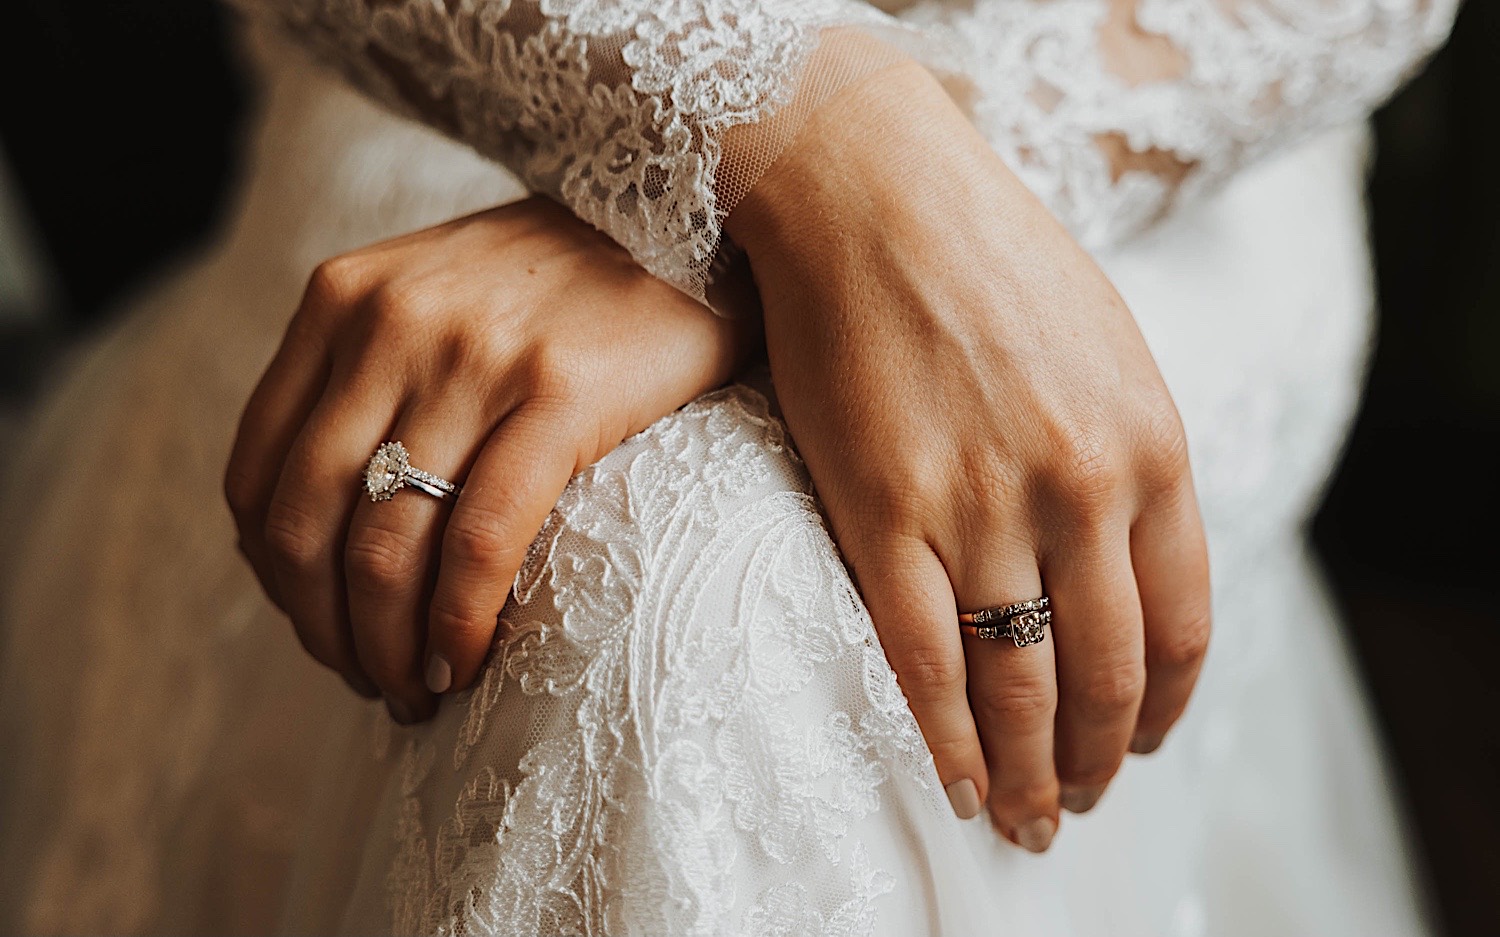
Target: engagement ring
{"x":390,"y":469}
{"x":1022,"y":622}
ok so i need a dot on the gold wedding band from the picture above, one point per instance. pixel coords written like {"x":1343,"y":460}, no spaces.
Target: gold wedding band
{"x":1024,"y":623}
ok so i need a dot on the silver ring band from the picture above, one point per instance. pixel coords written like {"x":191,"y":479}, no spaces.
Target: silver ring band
{"x":390,"y":469}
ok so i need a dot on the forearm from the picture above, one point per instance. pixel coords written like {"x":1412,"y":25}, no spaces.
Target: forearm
{"x":652,"y":121}
{"x":616,"y":108}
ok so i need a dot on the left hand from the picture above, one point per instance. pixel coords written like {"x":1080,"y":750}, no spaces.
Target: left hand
{"x":984,"y":424}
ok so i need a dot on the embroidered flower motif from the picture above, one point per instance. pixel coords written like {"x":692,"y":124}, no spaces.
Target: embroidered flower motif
{"x":699,"y":672}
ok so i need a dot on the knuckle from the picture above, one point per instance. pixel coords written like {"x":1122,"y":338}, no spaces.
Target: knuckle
{"x":956,"y":751}
{"x":1187,"y":643}
{"x":930,"y":675}
{"x":1032,"y":798}
{"x":1165,"y":466}
{"x":291,"y":535}
{"x":1016,"y":702}
{"x":992,"y":479}
{"x":1089,"y":773}
{"x":334,"y":284}
{"x":240,"y":489}
{"x":460,"y":624}
{"x":896,"y":505}
{"x":1087,"y":474}
{"x":552,"y":369}
{"x":1110,"y":692}
{"x":396,"y":302}
{"x":476,"y":537}
{"x":380,"y":561}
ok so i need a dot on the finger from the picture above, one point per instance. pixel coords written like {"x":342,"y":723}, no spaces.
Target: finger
{"x":391,"y":558}
{"x":1013,"y":692}
{"x":908,"y":596}
{"x":513,"y":486}
{"x":1170,"y":555}
{"x":271,"y":422}
{"x":1101,"y":673}
{"x":307,"y":520}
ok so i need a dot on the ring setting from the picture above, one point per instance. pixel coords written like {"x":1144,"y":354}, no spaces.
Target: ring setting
{"x":390,"y":469}
{"x":1024,"y":623}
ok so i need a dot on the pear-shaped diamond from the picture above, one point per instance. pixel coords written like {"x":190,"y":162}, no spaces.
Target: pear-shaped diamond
{"x":385,"y":473}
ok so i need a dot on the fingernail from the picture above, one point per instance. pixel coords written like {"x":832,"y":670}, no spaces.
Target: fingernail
{"x":1146,"y":743}
{"x":399,"y":711}
{"x":964,"y":797}
{"x":1036,"y":835}
{"x":1080,"y":799}
{"x":439,"y":674}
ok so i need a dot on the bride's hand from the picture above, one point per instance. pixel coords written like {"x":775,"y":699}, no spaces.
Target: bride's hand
{"x":507,"y":350}
{"x":984,"y":423}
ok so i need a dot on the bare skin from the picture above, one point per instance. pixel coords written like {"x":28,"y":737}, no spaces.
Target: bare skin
{"x":977,"y":408}
{"x":985,"y":424}
{"x":510,"y":349}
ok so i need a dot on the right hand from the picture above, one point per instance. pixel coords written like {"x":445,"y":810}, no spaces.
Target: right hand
{"x":508,"y":350}
{"x":984,"y":423}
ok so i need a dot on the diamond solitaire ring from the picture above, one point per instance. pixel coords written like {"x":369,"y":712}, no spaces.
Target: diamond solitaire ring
{"x":1022,"y":622}
{"x":390,"y":469}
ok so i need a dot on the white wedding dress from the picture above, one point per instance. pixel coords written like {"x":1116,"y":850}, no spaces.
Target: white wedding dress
{"x":688,"y":726}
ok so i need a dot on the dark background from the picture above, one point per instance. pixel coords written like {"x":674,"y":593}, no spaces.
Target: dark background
{"x":120,"y":125}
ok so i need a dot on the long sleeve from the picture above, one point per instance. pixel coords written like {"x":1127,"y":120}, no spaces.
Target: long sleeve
{"x":1112,"y":137}
{"x":615,"y":107}
{"x":618,"y":108}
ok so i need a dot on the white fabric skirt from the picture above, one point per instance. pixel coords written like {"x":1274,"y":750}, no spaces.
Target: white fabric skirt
{"x":688,"y":726}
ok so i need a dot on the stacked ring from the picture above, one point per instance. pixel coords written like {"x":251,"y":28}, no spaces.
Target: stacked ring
{"x":1022,"y":622}
{"x":390,"y":469}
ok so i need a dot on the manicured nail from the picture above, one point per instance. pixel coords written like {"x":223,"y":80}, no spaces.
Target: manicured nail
{"x":1080,"y":799}
{"x":439,"y":674}
{"x":964,"y":797}
{"x":399,"y":711}
{"x":1146,"y":743}
{"x":1036,"y":835}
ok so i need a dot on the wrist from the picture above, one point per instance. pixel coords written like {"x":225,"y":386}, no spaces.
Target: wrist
{"x":887,"y":149}
{"x":830,"y":148}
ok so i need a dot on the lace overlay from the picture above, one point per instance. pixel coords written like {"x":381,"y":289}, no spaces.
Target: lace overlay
{"x":617,"y":107}
{"x":1241,"y":78}
{"x":689,"y":726}
{"x":718,"y":712}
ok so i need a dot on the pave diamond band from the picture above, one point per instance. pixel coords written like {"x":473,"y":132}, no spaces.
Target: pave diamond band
{"x":390,"y":469}
{"x":1024,"y":623}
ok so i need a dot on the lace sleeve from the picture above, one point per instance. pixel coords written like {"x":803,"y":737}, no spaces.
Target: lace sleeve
{"x":1114,"y":110}
{"x":615,"y":107}
{"x":618,"y":108}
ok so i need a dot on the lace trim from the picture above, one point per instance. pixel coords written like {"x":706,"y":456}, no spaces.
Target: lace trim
{"x":615,"y":107}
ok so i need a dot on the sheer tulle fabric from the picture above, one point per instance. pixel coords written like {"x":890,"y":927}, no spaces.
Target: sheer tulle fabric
{"x":687,"y":725}
{"x":619,"y":107}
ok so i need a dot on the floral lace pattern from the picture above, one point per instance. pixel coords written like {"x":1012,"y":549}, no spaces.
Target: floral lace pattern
{"x":550,"y":90}
{"x":616,"y":107}
{"x":718,"y":711}
{"x":1254,"y":76}
{"x":687,"y":635}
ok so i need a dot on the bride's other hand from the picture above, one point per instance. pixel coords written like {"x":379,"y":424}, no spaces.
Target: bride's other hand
{"x":507,"y":351}
{"x":984,"y":423}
